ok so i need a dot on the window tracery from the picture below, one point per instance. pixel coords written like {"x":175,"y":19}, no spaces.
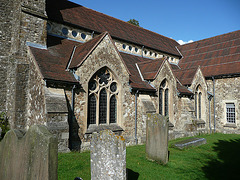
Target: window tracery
{"x":102,"y":98}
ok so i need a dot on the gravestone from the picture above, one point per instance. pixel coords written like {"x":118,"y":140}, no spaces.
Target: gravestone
{"x":190,"y":142}
{"x":30,"y":155}
{"x":157,"y":138}
{"x":108,"y":156}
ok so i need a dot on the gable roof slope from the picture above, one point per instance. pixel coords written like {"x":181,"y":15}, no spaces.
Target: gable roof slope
{"x":217,"y":56}
{"x":63,"y":11}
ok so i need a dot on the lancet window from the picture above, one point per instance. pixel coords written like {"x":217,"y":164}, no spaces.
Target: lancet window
{"x":164,"y":98}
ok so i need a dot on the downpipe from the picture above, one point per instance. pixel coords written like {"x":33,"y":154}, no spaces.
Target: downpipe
{"x":136,"y":94}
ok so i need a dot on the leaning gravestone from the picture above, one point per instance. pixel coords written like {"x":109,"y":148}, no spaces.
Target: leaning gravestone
{"x":157,"y":138}
{"x":29,"y":156}
{"x":108,"y":156}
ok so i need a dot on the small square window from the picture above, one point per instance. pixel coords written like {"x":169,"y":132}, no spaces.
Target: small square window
{"x":230,"y":110}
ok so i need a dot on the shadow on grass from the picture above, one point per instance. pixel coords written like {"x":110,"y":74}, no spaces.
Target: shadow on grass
{"x":131,"y":175}
{"x":227,"y":164}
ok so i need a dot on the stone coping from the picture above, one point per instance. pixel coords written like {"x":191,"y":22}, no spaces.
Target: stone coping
{"x":98,"y":128}
{"x":190,"y":142}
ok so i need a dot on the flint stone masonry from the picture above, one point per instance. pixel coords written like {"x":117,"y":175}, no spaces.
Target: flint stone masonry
{"x":157,"y":138}
{"x":108,"y":156}
{"x":29,"y":156}
{"x":190,"y":142}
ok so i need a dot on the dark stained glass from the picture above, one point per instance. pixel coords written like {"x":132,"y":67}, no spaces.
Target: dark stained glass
{"x":113,"y":109}
{"x":92,"y":109}
{"x":166,"y":102}
{"x":92,"y":85}
{"x":199,"y":105}
{"x":113,"y":87}
{"x":163,"y":84}
{"x":104,"y":76}
{"x":103,"y":107}
{"x":195,"y":104}
{"x":160,"y":101}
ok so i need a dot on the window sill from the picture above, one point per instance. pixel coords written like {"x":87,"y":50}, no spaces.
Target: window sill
{"x":97,"y":128}
{"x":231,"y":125}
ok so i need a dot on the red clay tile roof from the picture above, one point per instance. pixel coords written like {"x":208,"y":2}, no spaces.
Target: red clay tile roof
{"x":216,"y":56}
{"x":83,"y":50}
{"x":135,"y":78}
{"x":150,"y":68}
{"x":65,"y":11}
{"x":185,"y":76}
{"x":183,"y":90}
{"x":53,"y":61}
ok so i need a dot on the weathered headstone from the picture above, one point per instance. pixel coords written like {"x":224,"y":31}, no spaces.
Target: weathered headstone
{"x":157,"y":138}
{"x":108,"y":156}
{"x":29,"y":156}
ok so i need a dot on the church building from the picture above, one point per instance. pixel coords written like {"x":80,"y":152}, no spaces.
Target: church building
{"x":79,"y":71}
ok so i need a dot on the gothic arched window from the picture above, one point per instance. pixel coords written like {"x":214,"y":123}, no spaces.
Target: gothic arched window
{"x":102,"y":98}
{"x":164,"y":98}
{"x":198,"y":102}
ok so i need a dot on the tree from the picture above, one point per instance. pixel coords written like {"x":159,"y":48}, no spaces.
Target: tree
{"x":134,"y":22}
{"x":4,"y":125}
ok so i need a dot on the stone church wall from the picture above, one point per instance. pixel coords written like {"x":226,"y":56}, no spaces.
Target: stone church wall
{"x":226,"y":90}
{"x":17,"y":28}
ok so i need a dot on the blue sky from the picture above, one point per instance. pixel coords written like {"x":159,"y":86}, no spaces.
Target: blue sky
{"x":178,"y":19}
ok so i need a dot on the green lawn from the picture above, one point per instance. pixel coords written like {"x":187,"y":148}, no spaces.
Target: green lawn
{"x":218,"y":159}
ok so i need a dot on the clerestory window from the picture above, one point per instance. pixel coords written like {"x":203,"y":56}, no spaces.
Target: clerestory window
{"x":102,"y":98}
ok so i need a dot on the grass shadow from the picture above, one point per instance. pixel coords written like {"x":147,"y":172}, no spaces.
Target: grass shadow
{"x":227,"y":163}
{"x":131,"y":175}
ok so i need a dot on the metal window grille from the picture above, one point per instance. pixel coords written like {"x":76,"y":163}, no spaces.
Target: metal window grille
{"x":92,"y":110}
{"x":230,"y":108}
{"x":103,"y":107}
{"x":166,"y":102}
{"x":113,"y":109}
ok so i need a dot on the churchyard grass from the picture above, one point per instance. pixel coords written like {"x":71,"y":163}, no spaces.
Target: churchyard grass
{"x":218,"y":159}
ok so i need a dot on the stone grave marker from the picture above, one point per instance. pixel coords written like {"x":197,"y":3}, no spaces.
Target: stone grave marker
{"x":190,"y":142}
{"x":157,"y":138}
{"x":30,"y":155}
{"x":108,"y":156}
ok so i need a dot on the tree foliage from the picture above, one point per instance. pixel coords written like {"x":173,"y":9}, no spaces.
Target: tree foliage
{"x":4,"y":125}
{"x":134,"y":22}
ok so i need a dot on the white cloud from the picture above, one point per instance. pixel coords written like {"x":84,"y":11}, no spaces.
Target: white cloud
{"x":181,"y":42}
